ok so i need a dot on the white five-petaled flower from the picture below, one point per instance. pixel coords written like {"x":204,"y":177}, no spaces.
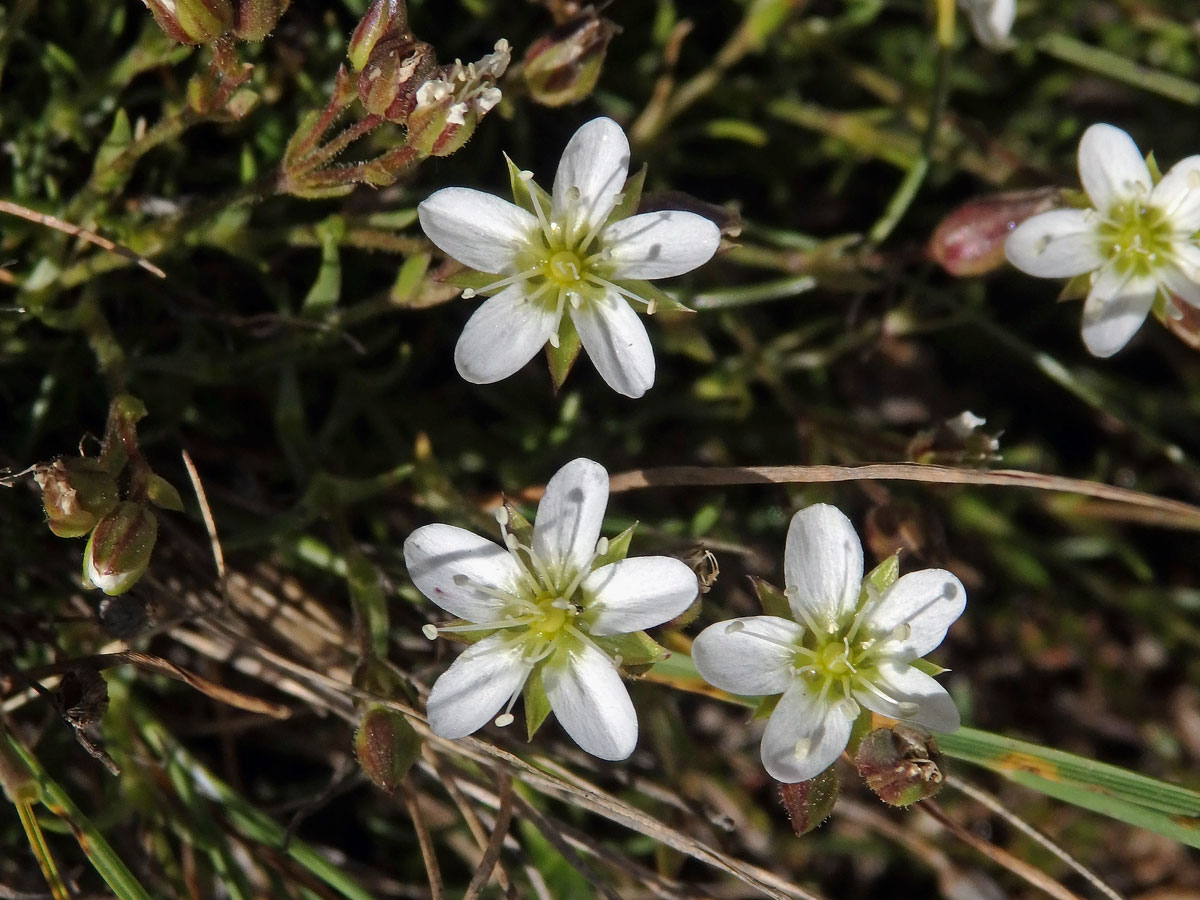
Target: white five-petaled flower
{"x":548,"y":606}
{"x":850,"y":646}
{"x":1138,"y":241}
{"x":567,"y":255}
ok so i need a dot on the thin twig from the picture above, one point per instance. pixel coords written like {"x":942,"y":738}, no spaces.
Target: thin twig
{"x":437,"y":887}
{"x":491,"y":853}
{"x":210,"y":524}
{"x":91,"y":237}
{"x":449,"y":780}
{"x":1001,"y":857}
{"x":986,"y":799}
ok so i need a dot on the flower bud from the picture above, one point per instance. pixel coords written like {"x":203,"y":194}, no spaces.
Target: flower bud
{"x":809,"y":803}
{"x":563,"y":66}
{"x":382,"y":18}
{"x":256,"y":18}
{"x":76,"y":493}
{"x":970,"y":240}
{"x":386,"y":746}
{"x":119,"y":549}
{"x":192,"y":21}
{"x":451,"y":103}
{"x":395,"y":70}
{"x":901,"y":764}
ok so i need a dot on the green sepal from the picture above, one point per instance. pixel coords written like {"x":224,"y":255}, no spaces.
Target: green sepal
{"x":517,"y":524}
{"x":562,"y":358}
{"x":766,"y":706}
{"x":631,"y":196}
{"x":524,"y":190}
{"x":656,"y":298}
{"x":634,"y":649}
{"x":883,"y":576}
{"x":860,"y":729}
{"x":469,"y":279}
{"x":689,"y":615}
{"x":929,"y":668}
{"x":810,"y":803}
{"x":1152,"y":164}
{"x":1075,"y":199}
{"x":107,"y":179}
{"x":618,"y":548}
{"x":162,"y":494}
{"x":537,"y":704}
{"x":774,"y":601}
{"x":1076,"y":288}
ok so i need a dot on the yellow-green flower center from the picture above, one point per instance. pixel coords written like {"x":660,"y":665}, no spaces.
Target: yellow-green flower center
{"x":1137,"y":238}
{"x":564,"y":268}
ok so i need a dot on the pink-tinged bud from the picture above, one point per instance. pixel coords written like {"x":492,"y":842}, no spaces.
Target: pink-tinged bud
{"x":809,"y":803}
{"x":76,"y":494}
{"x":395,"y":70}
{"x":970,"y":241}
{"x":382,"y":18}
{"x":118,"y":551}
{"x":901,"y":764}
{"x":563,"y":66}
{"x":192,"y":21}
{"x":386,"y":746}
{"x":451,"y":103}
{"x":256,"y":18}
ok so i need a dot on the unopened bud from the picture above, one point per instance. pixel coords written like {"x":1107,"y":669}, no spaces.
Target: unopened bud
{"x":256,"y":18}
{"x":119,"y":549}
{"x":396,"y":69}
{"x":76,"y":494}
{"x":809,"y":803}
{"x":901,"y":764}
{"x":970,"y":240}
{"x":563,"y":66}
{"x":386,"y":746}
{"x":192,"y":21}
{"x":451,"y":103}
{"x":382,"y":18}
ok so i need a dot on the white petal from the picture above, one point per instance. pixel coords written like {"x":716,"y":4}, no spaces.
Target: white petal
{"x":476,"y":686}
{"x":804,"y":735}
{"x":569,"y":517}
{"x":477,"y":229}
{"x":1181,"y":276}
{"x":991,"y":20}
{"x":638,"y":593}
{"x":822,"y":564}
{"x":1178,"y":195}
{"x":660,"y":244}
{"x":1115,"y":309}
{"x":1061,"y":243}
{"x":502,"y":335}
{"x":591,"y":703}
{"x":1112,"y":168}
{"x":437,"y":555}
{"x":617,"y":344}
{"x":595,"y":162}
{"x":922,"y":605}
{"x":749,"y":656}
{"x":919,"y":698}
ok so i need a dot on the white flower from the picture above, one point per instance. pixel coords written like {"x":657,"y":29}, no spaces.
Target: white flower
{"x":570,"y":257}
{"x":848,"y":646}
{"x":549,"y":606}
{"x":991,"y":20}
{"x":1138,"y":242}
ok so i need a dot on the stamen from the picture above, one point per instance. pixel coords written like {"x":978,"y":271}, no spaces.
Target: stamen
{"x":803,"y":611}
{"x":504,"y":719}
{"x":430,"y":631}
{"x":501,"y":515}
{"x":487,"y":590}
{"x":494,"y":625}
{"x":468,"y":293}
{"x":547,"y":229}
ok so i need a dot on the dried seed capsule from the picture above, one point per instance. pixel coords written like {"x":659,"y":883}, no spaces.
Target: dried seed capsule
{"x":901,"y":764}
{"x":563,"y":66}
{"x":76,"y":494}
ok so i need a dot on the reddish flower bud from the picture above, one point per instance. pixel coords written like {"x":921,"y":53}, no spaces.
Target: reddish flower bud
{"x":386,"y":746}
{"x":395,"y":70}
{"x":382,"y":18}
{"x":970,"y":241}
{"x":119,"y":549}
{"x":192,"y":21}
{"x":256,"y":18}
{"x":809,"y":803}
{"x":76,"y":493}
{"x":901,"y":764}
{"x":563,"y":66}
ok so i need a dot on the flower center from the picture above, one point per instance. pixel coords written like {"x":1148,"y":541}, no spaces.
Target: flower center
{"x":564,"y":267}
{"x":1136,"y":237}
{"x":835,"y":660}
